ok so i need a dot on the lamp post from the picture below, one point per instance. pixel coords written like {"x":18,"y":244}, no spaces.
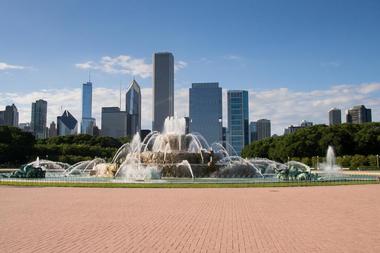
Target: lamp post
{"x":317,"y":162}
{"x":377,"y":160}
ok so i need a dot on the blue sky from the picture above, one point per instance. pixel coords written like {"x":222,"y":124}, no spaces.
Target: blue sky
{"x":303,"y":46}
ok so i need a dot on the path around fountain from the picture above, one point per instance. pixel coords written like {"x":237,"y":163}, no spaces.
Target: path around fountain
{"x":297,"y":219}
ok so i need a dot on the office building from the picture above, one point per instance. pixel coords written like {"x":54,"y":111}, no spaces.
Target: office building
{"x":238,"y":119}
{"x":224,"y":137}
{"x":114,"y":122}
{"x":359,"y":114}
{"x":88,"y":121}
{"x":39,"y":115}
{"x":263,"y":129}
{"x":67,"y":124}
{"x":335,"y":117}
{"x":292,"y":129}
{"x":205,"y":110}
{"x":25,"y":127}
{"x":163,"y":89}
{"x":253,"y":131}
{"x":9,"y":117}
{"x":52,"y":129}
{"x":133,"y":108}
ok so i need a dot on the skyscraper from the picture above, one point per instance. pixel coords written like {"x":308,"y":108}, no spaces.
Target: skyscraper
{"x":52,"y":129}
{"x":205,"y":109}
{"x":114,"y":122}
{"x":163,"y":89}
{"x":238,"y":116}
{"x":67,"y":124}
{"x":335,"y":117}
{"x":263,"y":129}
{"x":133,"y":108}
{"x":359,"y":114}
{"x":39,"y":115}
{"x":253,"y":131}
{"x":87,"y":121}
{"x":9,"y":117}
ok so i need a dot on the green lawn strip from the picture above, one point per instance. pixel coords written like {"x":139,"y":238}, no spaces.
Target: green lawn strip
{"x":179,"y":185}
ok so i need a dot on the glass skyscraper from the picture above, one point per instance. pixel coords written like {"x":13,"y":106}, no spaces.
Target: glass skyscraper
{"x":163,"y":89}
{"x":133,"y":108}
{"x":205,"y":110}
{"x":238,"y":119}
{"x":38,"y":121}
{"x":87,"y":121}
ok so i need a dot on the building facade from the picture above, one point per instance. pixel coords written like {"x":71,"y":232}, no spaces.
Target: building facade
{"x":205,"y":110}
{"x":88,"y":121}
{"x":67,"y":124}
{"x":9,"y":117}
{"x":359,"y":114}
{"x":52,"y":129}
{"x":133,"y":108}
{"x":263,"y":129}
{"x":38,"y":121}
{"x":114,"y":122}
{"x":238,"y":119}
{"x":253,"y":131}
{"x":163,"y":89}
{"x":335,"y":117}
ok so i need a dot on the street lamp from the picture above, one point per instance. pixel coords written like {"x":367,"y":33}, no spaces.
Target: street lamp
{"x":377,"y":160}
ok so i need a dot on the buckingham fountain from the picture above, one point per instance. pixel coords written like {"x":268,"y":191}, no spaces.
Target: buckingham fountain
{"x":174,"y":155}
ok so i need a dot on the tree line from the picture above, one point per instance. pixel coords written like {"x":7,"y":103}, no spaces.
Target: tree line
{"x":347,"y":140}
{"x":18,"y":147}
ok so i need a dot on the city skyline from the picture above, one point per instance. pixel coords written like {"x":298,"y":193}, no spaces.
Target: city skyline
{"x":294,"y":69}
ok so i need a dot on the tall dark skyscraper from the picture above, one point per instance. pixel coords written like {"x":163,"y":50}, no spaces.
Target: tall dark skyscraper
{"x":359,"y":114}
{"x":114,"y":122}
{"x":205,"y":110}
{"x":335,"y":117}
{"x":263,"y":129}
{"x":238,"y":119}
{"x":38,"y":121}
{"x":87,"y":121}
{"x":9,"y":117}
{"x":163,"y":89}
{"x":133,"y":108}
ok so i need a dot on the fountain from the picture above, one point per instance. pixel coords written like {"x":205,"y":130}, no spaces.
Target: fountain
{"x":330,"y":168}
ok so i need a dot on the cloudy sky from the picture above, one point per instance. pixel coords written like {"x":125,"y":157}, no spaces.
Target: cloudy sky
{"x":297,"y":58}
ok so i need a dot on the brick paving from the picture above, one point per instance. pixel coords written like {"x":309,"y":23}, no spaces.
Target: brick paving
{"x":309,"y":219}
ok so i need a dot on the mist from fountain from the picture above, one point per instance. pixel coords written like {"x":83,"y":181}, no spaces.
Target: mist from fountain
{"x":330,"y":166}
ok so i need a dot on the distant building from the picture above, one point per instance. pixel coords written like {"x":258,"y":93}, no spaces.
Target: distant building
{"x":39,"y":115}
{"x":205,"y":110}
{"x":52,"y":129}
{"x":25,"y":127}
{"x":144,"y":133}
{"x":292,"y":129}
{"x":335,"y":117}
{"x":9,"y":117}
{"x":359,"y":114}
{"x":238,"y":125}
{"x":95,"y":131}
{"x":305,"y":123}
{"x":114,"y":122}
{"x":88,"y":121}
{"x":253,"y":131}
{"x":187,"y":125}
{"x":224,"y":137}
{"x":263,"y":129}
{"x":67,"y":124}
{"x":163,"y":89}
{"x":133,"y":108}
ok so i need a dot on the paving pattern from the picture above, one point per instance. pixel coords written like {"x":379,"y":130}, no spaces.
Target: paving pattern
{"x":308,"y":219}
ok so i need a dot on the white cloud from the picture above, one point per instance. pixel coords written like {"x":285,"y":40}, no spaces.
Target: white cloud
{"x":331,"y":64}
{"x":233,"y":57}
{"x":6,"y":66}
{"x":124,"y":64}
{"x":282,"y":106}
{"x":180,"y":65}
